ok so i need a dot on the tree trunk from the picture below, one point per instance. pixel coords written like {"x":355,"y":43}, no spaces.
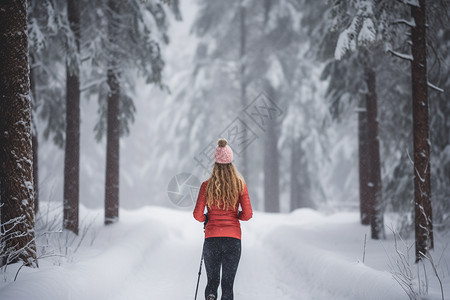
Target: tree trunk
{"x":112,"y":150}
{"x":422,"y":180}
{"x":34,"y":134}
{"x":113,"y":124}
{"x":295,"y":167}
{"x":72,"y":151}
{"x":16,"y":158}
{"x":300,"y":184}
{"x":364,"y":201}
{"x":375,"y":199}
{"x":243,"y":83}
{"x":271,"y":165}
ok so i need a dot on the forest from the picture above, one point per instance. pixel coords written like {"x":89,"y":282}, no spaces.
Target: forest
{"x":337,"y":112}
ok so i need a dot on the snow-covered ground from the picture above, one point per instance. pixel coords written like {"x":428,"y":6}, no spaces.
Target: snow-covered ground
{"x":154,"y":253}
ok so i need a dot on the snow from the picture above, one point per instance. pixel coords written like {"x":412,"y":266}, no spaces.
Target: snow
{"x":345,"y":43}
{"x":367,"y":33}
{"x":154,"y":253}
{"x":275,"y":73}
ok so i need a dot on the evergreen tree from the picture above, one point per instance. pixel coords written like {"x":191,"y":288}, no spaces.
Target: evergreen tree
{"x":54,"y":42}
{"x":125,"y":40}
{"x":418,"y":21}
{"x":361,"y":32}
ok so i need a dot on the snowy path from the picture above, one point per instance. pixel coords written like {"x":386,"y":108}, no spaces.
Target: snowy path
{"x":169,"y":271}
{"x":154,"y":253}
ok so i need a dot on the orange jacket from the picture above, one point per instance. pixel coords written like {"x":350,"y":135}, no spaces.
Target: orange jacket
{"x":223,"y":223}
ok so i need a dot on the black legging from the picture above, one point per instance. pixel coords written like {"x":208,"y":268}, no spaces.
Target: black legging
{"x":225,"y":252}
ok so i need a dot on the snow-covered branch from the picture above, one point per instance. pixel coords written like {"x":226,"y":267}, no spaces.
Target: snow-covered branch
{"x":410,"y":23}
{"x":401,"y":55}
{"x":436,"y":88}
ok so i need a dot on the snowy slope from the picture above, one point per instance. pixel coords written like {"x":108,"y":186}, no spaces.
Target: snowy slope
{"x":154,"y":253}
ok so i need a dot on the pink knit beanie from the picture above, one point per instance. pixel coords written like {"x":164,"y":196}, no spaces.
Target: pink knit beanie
{"x":223,"y":153}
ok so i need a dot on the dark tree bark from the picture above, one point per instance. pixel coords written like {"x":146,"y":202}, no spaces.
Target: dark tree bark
{"x":421,"y":132}
{"x":112,"y":150}
{"x":72,"y":150}
{"x":34,"y":134}
{"x":271,"y":165}
{"x":243,"y":82}
{"x":16,"y":158}
{"x":113,"y":127}
{"x":375,"y":199}
{"x":364,"y":201}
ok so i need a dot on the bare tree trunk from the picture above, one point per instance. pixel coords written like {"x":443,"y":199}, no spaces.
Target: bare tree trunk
{"x":16,"y":158}
{"x":422,"y":174}
{"x":271,"y":165}
{"x":113,"y":127}
{"x":112,"y":151}
{"x":243,"y":82}
{"x":34,"y":134}
{"x":376,"y":212}
{"x":364,"y":201}
{"x":72,"y":151}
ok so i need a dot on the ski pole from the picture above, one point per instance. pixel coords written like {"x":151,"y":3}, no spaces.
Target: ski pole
{"x":198,"y":279}
{"x":201,"y":260}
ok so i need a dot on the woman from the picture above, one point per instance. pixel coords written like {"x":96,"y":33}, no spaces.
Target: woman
{"x":221,"y":194}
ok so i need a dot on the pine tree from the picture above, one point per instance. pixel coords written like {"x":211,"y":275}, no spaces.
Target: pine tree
{"x":16,"y":157}
{"x":362,"y":33}
{"x":420,"y":113}
{"x":123,"y":44}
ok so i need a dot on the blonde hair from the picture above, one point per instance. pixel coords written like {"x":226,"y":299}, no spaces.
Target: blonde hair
{"x":224,"y":186}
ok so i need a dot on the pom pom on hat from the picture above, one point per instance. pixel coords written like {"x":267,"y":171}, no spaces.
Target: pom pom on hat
{"x":222,"y":142}
{"x":223,"y":153}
